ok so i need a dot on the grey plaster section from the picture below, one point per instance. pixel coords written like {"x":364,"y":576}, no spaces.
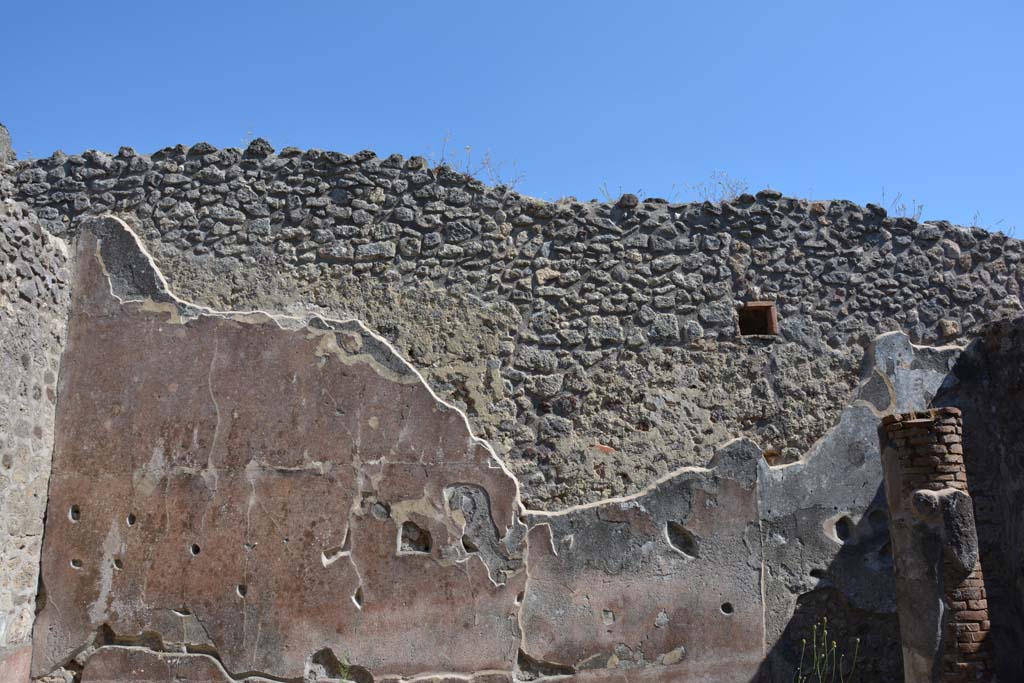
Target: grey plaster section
{"x":936,"y":545}
{"x":824,"y":517}
{"x":33,"y":310}
{"x":919,"y":587}
{"x":667,"y":579}
{"x":594,"y":344}
{"x":130,"y":273}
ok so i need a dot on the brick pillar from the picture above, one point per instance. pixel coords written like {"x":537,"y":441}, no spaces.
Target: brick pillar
{"x":941,"y":597}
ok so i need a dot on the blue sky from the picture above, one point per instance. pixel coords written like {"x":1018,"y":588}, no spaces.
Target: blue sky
{"x":817,"y":99}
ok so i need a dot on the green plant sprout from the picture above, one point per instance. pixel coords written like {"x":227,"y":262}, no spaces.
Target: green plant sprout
{"x":827,"y":662}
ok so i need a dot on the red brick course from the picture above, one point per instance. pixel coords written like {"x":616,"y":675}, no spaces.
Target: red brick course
{"x":930,"y":452}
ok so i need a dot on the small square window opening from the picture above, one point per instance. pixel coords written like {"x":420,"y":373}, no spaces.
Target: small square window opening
{"x":758,"y":318}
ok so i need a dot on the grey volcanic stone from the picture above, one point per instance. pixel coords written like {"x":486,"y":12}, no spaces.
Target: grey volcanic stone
{"x":594,"y":345}
{"x":6,"y":151}
{"x":626,"y":302}
{"x":987,"y":385}
{"x":33,"y":315}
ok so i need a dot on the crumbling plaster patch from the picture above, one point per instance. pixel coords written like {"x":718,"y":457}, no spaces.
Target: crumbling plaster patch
{"x":192,"y":508}
{"x":607,"y":589}
{"x":897,"y":375}
{"x":841,"y":477}
{"x":269,"y":440}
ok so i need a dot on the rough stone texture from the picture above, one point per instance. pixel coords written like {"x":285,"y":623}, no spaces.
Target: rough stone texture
{"x":224,"y":482}
{"x":238,"y":496}
{"x":593,"y":344}
{"x":987,"y":384}
{"x":33,"y":301}
{"x":944,"y":622}
{"x":6,"y":151}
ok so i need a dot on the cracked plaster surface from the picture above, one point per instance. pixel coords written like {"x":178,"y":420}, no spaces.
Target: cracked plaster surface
{"x":291,"y":451}
{"x":207,"y":462}
{"x":476,"y":292}
{"x":230,"y":490}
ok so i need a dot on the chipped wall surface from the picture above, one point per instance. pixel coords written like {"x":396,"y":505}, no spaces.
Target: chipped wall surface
{"x":944,"y":619}
{"x":269,"y":494}
{"x":224,"y":482}
{"x":987,"y":384}
{"x":825,"y":521}
{"x":33,"y":300}
{"x":669,"y":577}
{"x":593,"y":344}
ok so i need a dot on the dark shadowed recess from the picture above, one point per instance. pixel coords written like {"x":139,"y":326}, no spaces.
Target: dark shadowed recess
{"x":879,"y":657}
{"x":987,"y":384}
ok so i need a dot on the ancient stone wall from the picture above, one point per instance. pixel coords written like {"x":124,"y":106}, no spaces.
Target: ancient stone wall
{"x":595,"y":345}
{"x":7,"y":154}
{"x":824,"y":519}
{"x":33,"y":301}
{"x":987,"y":385}
{"x":239,"y":496}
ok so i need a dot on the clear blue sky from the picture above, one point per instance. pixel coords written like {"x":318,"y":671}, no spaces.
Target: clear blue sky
{"x":820,"y":99}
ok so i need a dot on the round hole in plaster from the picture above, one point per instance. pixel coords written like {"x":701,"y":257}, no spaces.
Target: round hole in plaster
{"x":469,"y":545}
{"x":241,"y":589}
{"x":76,"y":563}
{"x":130,"y":519}
{"x":727,"y":608}
{"x":844,"y":526}
{"x":118,"y":564}
{"x":74,"y":513}
{"x":194,"y":549}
